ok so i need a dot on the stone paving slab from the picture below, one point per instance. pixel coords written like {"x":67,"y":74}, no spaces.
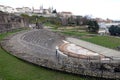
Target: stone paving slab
{"x":96,"y":48}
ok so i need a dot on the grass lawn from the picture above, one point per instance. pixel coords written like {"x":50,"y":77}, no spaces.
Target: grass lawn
{"x":12,"y":68}
{"x":54,"y":27}
{"x":107,"y":41}
{"x":74,"y":33}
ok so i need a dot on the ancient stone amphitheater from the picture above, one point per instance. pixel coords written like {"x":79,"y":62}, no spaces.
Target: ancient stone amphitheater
{"x":47,"y":49}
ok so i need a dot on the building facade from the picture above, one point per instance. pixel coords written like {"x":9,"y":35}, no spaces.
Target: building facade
{"x":65,"y":14}
{"x":2,"y":8}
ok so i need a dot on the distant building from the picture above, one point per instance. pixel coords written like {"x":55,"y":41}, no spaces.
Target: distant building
{"x":46,"y":11}
{"x":109,"y":20}
{"x":23,"y":10}
{"x":65,"y":14}
{"x":27,"y":9}
{"x":2,"y":8}
{"x":100,"y":20}
{"x":42,"y":10}
{"x":9,"y":9}
{"x":36,"y":11}
{"x":20,"y":10}
{"x":6,"y":9}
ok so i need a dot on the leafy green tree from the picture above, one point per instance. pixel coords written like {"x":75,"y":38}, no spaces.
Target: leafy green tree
{"x":42,"y":19}
{"x":55,"y":20}
{"x":33,"y":18}
{"x":114,"y":30}
{"x":25,"y":16}
{"x":93,"y":26}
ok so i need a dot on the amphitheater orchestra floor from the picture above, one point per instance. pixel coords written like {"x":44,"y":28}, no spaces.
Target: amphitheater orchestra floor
{"x":76,"y":51}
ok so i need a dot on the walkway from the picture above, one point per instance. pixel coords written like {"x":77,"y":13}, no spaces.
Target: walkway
{"x":96,"y":48}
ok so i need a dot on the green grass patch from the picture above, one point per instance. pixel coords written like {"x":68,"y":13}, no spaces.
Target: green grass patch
{"x":12,"y":68}
{"x":53,"y":26}
{"x":74,"y":33}
{"x":2,"y":35}
{"x":106,"y":41}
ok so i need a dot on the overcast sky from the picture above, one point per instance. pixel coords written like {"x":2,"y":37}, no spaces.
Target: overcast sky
{"x":95,"y":8}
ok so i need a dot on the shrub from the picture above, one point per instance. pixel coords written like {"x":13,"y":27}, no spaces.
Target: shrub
{"x":93,"y":26}
{"x":114,"y":30}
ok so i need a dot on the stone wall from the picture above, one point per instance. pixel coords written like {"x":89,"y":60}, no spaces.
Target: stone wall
{"x":10,"y":22}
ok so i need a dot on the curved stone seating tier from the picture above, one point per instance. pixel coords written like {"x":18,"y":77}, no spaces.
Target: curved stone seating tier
{"x":39,"y":47}
{"x":42,"y":37}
